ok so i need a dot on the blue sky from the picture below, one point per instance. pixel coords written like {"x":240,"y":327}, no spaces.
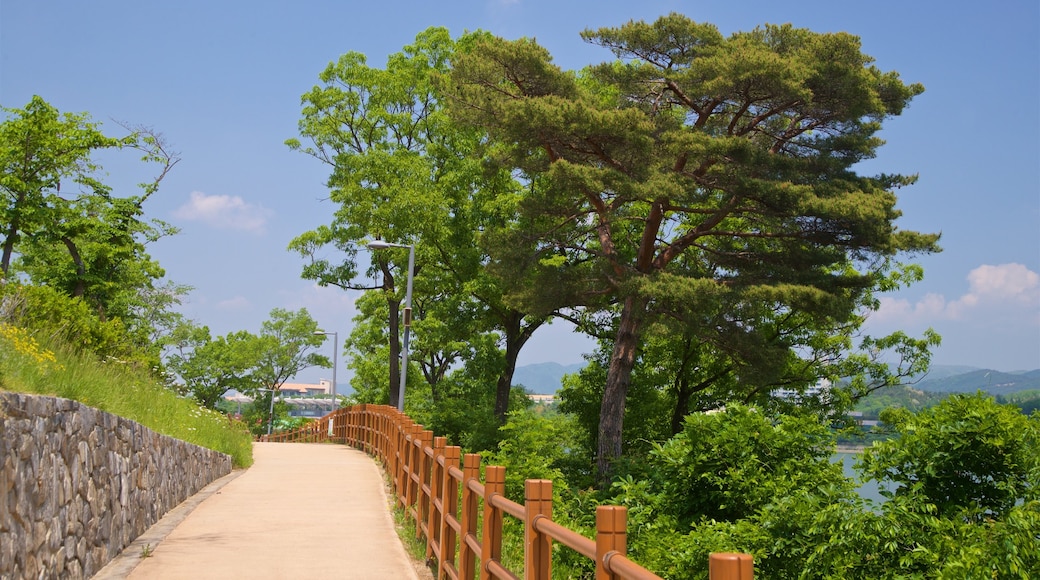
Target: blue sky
{"x":222,"y":81}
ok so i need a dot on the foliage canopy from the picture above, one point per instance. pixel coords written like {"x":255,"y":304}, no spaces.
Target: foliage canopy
{"x":701,"y":178}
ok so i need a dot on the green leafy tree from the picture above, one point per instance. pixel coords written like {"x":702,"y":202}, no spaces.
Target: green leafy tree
{"x":935,"y":525}
{"x":154,"y":320}
{"x":465,"y":412}
{"x":699,"y":170}
{"x":968,"y":456}
{"x":259,"y":416}
{"x":534,"y":447}
{"x":95,"y":249}
{"x":99,"y":234}
{"x":286,"y":345}
{"x":453,"y":402}
{"x":251,"y":364}
{"x":703,"y":490}
{"x":444,"y":330}
{"x":369,"y":348}
{"x":210,"y":367}
{"x":403,"y":173}
{"x":730,"y":464}
{"x":738,"y":480}
{"x":41,"y":149}
{"x":371,"y":127}
{"x":62,"y":227}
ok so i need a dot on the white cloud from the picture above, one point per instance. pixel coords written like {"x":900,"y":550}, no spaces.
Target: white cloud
{"x":1013,"y":281}
{"x":1005,"y":286}
{"x":224,"y":212}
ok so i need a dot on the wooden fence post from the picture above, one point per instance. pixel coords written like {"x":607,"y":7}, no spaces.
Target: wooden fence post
{"x":434,"y":515}
{"x":368,"y":423}
{"x":375,"y":435}
{"x":538,"y":497}
{"x":410,"y":430}
{"x":406,"y":462}
{"x":730,"y":566}
{"x":611,"y":536}
{"x":415,"y":464}
{"x":385,"y":431}
{"x":400,"y":436}
{"x":491,"y":544}
{"x":422,"y":475}
{"x":470,"y":470}
{"x":357,"y":427}
{"x":450,"y":503}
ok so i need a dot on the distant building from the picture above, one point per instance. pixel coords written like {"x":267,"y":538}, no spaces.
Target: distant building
{"x":543,"y":399}
{"x":305,"y":389}
{"x":303,"y":399}
{"x":817,"y":391}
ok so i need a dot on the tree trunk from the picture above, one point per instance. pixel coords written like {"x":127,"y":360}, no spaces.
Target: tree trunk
{"x":505,"y":378}
{"x":394,"y":328}
{"x":516,"y":337}
{"x":81,"y":270}
{"x":12,"y":234}
{"x":683,"y":392}
{"x":682,"y":404}
{"x":619,"y":376}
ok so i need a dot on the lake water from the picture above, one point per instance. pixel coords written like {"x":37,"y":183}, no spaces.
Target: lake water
{"x":869,"y":490}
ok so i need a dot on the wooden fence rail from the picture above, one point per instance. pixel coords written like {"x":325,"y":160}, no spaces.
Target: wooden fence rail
{"x":461,"y":517}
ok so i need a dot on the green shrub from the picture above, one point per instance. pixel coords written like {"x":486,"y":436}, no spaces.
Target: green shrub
{"x":53,"y":316}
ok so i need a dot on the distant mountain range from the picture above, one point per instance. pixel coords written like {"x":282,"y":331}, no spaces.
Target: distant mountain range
{"x":957,"y":379}
{"x":546,"y":378}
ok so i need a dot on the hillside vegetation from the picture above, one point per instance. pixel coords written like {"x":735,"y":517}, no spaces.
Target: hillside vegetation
{"x":1019,"y":389}
{"x":43,"y":364}
{"x":990,"y":381}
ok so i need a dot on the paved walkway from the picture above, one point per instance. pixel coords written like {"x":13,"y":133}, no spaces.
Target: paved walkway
{"x":301,"y":511}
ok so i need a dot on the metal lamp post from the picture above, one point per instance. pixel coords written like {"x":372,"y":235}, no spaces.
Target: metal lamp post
{"x":335,"y":355}
{"x":381,"y":245}
{"x":270,"y":412}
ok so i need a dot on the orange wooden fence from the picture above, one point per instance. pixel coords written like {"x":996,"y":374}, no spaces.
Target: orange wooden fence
{"x":440,"y":489}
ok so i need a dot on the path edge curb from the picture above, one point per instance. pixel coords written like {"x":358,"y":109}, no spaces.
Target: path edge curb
{"x":124,"y":563}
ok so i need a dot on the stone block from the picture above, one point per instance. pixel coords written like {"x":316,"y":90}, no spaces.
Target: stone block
{"x":57,"y":567}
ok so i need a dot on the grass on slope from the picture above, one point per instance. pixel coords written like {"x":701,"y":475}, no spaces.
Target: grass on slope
{"x":27,"y":367}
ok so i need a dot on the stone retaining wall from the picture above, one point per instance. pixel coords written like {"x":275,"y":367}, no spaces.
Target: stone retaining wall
{"x":77,"y":485}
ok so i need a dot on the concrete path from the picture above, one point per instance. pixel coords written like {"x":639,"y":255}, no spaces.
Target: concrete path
{"x":301,"y":511}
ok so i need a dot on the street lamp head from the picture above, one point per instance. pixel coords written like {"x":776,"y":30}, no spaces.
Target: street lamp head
{"x":382,"y":245}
